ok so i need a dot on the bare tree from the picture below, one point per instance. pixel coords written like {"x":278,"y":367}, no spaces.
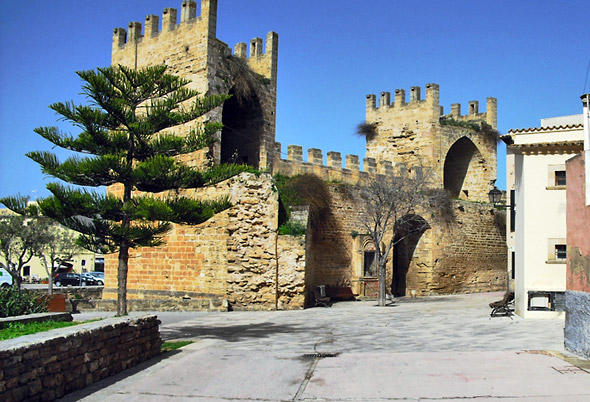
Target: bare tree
{"x":391,"y":211}
{"x":59,"y":247}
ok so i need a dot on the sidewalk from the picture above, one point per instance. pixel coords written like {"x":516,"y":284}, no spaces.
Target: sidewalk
{"x":438,"y":348}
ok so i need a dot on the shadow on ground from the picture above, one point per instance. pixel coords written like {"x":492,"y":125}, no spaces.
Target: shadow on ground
{"x":115,"y":378}
{"x":229,"y":333}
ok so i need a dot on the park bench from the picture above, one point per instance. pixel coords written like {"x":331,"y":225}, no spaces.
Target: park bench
{"x":504,"y":307}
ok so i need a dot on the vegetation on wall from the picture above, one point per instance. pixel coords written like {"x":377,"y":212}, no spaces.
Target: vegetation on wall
{"x":246,"y":83}
{"x":478,"y":126}
{"x":366,"y":130}
{"x":301,"y":190}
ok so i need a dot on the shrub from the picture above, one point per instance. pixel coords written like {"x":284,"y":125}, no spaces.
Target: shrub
{"x":292,"y":228}
{"x":15,"y":301}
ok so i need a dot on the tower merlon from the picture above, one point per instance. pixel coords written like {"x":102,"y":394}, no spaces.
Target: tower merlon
{"x":385,"y":100}
{"x":134,"y":31}
{"x":334,"y":159}
{"x":188,"y":10}
{"x":400,"y":98}
{"x":169,"y":19}
{"x":414,"y":94}
{"x":314,"y":156}
{"x":151,"y":25}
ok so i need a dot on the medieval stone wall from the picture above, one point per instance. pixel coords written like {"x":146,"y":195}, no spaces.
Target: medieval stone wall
{"x":468,"y":254}
{"x":229,"y":261}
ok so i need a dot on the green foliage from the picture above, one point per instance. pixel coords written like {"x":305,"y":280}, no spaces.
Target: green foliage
{"x":14,"y":301}
{"x":128,"y":138}
{"x":16,"y":329}
{"x":302,"y":190}
{"x":174,"y":345}
{"x":477,"y":126}
{"x":21,"y":239}
{"x":292,"y":228}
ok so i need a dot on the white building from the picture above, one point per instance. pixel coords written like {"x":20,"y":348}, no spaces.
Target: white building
{"x":536,"y":227}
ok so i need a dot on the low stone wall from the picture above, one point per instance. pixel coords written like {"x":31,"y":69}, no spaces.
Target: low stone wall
{"x":47,"y":365}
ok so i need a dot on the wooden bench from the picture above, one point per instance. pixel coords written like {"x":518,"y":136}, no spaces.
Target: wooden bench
{"x":340,"y":293}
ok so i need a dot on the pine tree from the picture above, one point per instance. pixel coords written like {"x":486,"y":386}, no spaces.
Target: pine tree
{"x":127,"y":133}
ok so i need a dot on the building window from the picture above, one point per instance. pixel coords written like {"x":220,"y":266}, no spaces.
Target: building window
{"x":26,"y":270}
{"x":560,"y":178}
{"x":560,"y":252}
{"x":556,"y":177}
{"x":370,"y":264}
{"x":556,"y":251}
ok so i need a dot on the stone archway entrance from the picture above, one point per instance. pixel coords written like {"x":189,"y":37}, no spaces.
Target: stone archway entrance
{"x":243,"y":125}
{"x":410,"y":230}
{"x":460,"y":164}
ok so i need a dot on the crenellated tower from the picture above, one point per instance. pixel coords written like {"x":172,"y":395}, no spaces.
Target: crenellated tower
{"x":460,"y":149}
{"x":190,"y":49}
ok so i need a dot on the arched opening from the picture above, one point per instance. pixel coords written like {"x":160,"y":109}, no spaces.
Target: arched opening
{"x":242,"y":130}
{"x":408,"y":232}
{"x":457,"y":164}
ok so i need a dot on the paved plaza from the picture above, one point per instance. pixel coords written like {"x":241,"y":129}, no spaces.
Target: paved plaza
{"x":427,"y":349}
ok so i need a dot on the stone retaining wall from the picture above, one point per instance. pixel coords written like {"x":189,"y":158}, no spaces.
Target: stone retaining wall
{"x":47,"y":365}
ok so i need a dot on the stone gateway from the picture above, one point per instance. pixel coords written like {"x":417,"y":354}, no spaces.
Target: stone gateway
{"x":238,"y":259}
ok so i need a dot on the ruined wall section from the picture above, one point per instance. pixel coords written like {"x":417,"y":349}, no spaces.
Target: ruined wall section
{"x":228,"y":261}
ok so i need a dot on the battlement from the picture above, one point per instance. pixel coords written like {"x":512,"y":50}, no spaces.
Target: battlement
{"x":430,"y":105}
{"x":432,"y":98}
{"x":188,"y":16}
{"x":490,"y":116}
{"x":333,"y":170}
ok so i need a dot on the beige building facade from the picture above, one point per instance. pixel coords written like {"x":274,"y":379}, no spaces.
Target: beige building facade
{"x":536,"y":227}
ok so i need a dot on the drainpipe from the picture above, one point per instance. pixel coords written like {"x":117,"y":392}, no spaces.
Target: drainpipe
{"x":586,"y":102}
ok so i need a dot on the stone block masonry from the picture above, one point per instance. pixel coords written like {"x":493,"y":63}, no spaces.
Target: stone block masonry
{"x":47,"y":365}
{"x":228,"y":262}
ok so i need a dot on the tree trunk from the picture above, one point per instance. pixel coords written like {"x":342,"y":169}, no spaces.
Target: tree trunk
{"x":122,"y":279}
{"x":381,"y":300}
{"x":50,"y":284}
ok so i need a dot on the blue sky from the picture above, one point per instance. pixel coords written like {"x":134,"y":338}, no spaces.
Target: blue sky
{"x":531,"y":55}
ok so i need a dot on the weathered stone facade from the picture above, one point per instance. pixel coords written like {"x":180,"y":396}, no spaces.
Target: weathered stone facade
{"x":237,"y":260}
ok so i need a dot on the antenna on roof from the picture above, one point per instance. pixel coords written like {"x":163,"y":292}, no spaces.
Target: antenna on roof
{"x":586,"y":80}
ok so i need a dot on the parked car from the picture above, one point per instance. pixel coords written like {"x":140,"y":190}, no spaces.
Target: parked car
{"x":5,"y":278}
{"x":97,"y":276}
{"x":73,"y":279}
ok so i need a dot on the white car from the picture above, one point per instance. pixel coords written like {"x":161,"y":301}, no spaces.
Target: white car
{"x":5,"y":278}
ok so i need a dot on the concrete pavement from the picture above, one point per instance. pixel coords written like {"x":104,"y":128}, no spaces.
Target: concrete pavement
{"x":430,"y":349}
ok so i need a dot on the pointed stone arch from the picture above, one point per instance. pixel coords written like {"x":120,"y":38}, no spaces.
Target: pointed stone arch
{"x":462,"y":164}
{"x":408,"y":233}
{"x":243,"y":127}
